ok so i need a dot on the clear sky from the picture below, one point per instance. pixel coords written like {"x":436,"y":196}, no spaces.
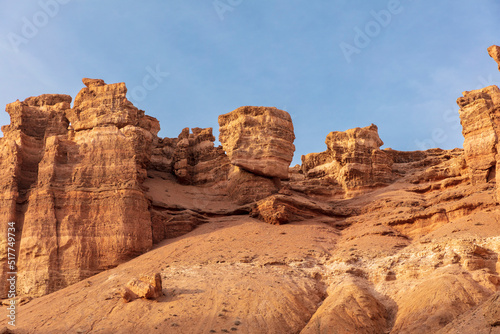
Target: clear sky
{"x":332,"y":64}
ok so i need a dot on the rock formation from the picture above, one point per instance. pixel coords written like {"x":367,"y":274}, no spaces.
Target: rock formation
{"x":196,"y":160}
{"x":258,"y":140}
{"x":79,"y":204}
{"x":357,"y":239}
{"x":191,"y":157}
{"x":494,"y":52}
{"x":353,"y":160}
{"x":146,"y":286}
{"x":478,"y":110}
{"x":259,"y":143}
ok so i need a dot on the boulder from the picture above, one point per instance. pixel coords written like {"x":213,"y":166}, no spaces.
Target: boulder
{"x":146,"y":286}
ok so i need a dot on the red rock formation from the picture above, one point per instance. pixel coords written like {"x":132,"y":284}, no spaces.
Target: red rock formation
{"x":245,"y":187}
{"x":480,"y":127}
{"x":259,"y":140}
{"x":191,"y":157}
{"x":353,"y":159}
{"x":81,"y":206}
{"x":196,"y":160}
{"x":494,"y":52}
{"x":147,"y":286}
{"x":479,"y":116}
{"x":418,"y":255}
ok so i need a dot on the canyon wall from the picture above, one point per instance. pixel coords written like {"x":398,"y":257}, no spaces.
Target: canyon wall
{"x":76,"y":194}
{"x":353,"y":160}
{"x":92,"y":186}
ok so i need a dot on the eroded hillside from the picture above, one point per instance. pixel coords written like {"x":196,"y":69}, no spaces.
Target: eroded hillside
{"x":355,"y":240}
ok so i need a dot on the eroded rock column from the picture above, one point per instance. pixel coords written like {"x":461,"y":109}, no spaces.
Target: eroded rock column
{"x":259,"y":144}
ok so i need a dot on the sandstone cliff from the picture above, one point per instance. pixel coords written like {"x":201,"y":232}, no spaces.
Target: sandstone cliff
{"x":76,"y":196}
{"x":192,"y":157}
{"x":357,"y":239}
{"x":353,"y":160}
{"x":480,"y":129}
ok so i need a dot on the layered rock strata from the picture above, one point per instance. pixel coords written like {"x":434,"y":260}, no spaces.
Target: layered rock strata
{"x":259,"y":143}
{"x":479,"y":110}
{"x":258,"y":140}
{"x":353,"y":160}
{"x":494,"y":52}
{"x":196,"y":160}
{"x":33,"y":122}
{"x":419,"y":255}
{"x":79,"y":203}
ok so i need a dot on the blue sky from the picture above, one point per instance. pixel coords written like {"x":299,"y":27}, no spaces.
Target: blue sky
{"x":406,"y":62}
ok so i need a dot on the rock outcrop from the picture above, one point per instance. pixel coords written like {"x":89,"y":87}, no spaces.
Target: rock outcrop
{"x":258,"y":140}
{"x":146,"y":286}
{"x":481,"y":129}
{"x":79,"y":205}
{"x":34,"y":123}
{"x":353,"y":160}
{"x":191,"y":157}
{"x":196,"y":160}
{"x":494,"y":52}
{"x":352,"y":308}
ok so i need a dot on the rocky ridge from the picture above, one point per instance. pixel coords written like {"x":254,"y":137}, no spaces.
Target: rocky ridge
{"x":358,"y":239}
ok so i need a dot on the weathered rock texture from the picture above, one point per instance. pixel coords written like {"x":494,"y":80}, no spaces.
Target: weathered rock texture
{"x":478,"y":115}
{"x":79,"y":204}
{"x":356,"y":240}
{"x":146,"y":286}
{"x":34,"y":122}
{"x":353,"y":160}
{"x":192,"y":157}
{"x":350,"y":307}
{"x":245,"y":187}
{"x":259,"y":140}
{"x":494,"y":52}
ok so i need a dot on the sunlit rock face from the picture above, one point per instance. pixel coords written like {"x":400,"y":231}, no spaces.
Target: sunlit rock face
{"x":353,"y":159}
{"x":414,"y":248}
{"x":258,"y":140}
{"x":479,"y":111}
{"x":494,"y":52}
{"x":76,"y":189}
